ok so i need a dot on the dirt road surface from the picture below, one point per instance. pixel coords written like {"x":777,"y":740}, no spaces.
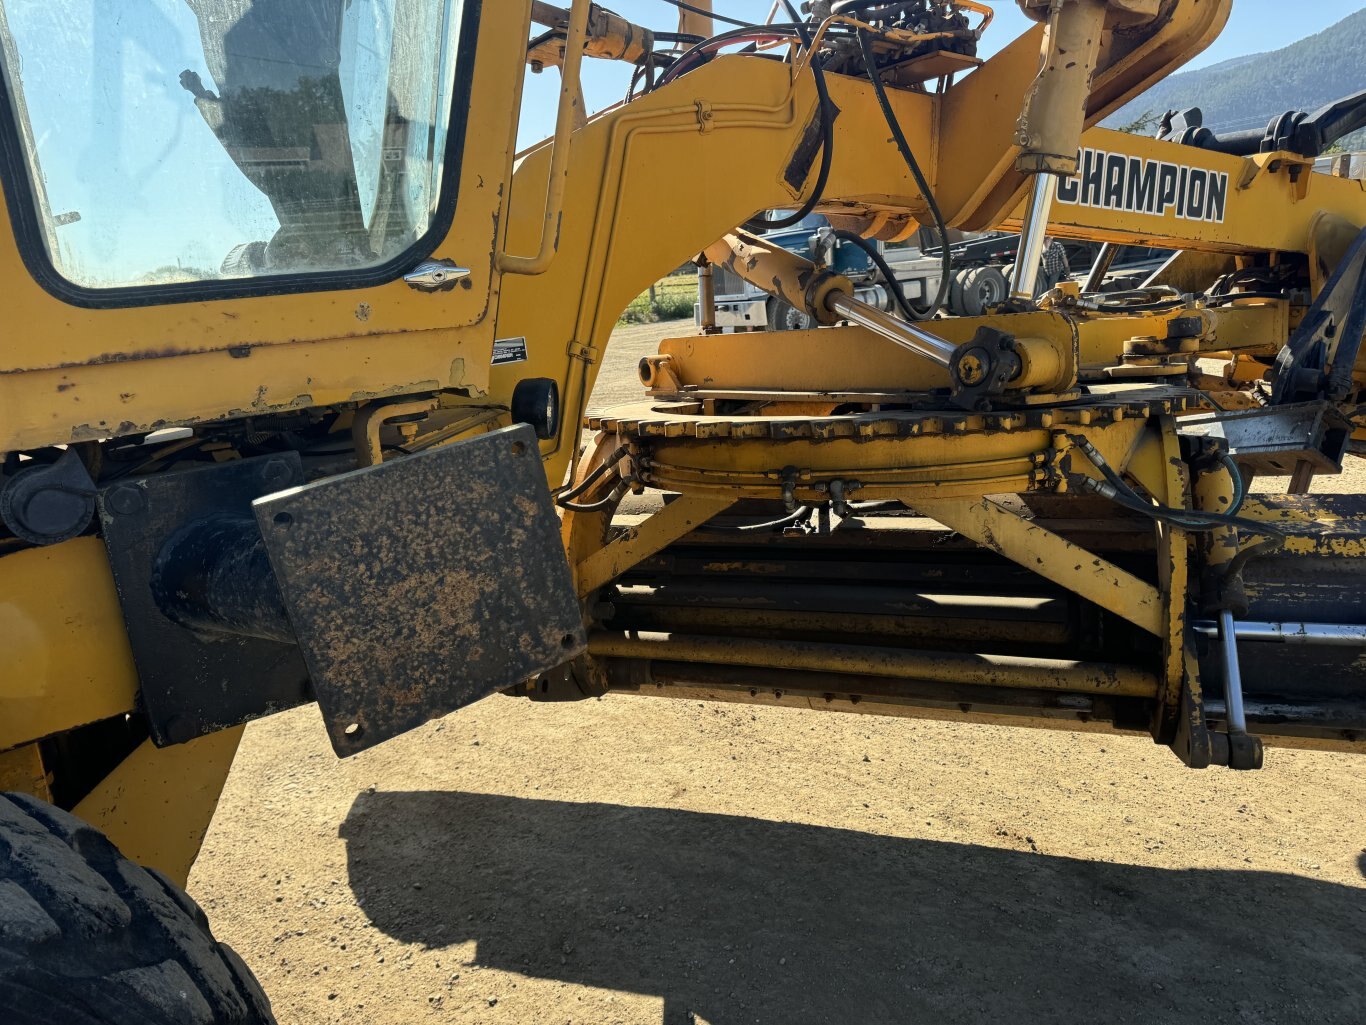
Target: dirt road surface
{"x":642,"y":861}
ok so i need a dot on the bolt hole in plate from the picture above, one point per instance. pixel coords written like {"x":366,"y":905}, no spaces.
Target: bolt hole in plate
{"x":425,"y":583}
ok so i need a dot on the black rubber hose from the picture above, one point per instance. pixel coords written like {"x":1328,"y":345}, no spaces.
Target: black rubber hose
{"x":1157,"y":307}
{"x":711,"y":14}
{"x":860,"y":6}
{"x":1187,"y":519}
{"x":946,"y":268}
{"x":599,"y":505}
{"x":761,"y":223}
{"x":796,"y":516}
{"x":1239,"y":488}
{"x":893,"y":285}
{"x":678,"y":37}
{"x":781,"y":29}
{"x":1224,"y":300}
{"x":1196,"y":521}
{"x":583,"y":485}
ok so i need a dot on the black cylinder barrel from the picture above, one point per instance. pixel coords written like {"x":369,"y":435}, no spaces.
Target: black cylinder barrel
{"x":213,"y":576}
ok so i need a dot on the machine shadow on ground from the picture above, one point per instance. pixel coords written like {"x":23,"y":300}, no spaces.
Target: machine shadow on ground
{"x":736,"y":920}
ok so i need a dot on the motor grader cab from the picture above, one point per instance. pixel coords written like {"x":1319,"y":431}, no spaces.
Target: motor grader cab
{"x":298,"y":355}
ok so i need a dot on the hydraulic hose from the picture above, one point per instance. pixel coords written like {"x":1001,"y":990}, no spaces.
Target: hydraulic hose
{"x":946,"y":261}
{"x":893,"y":286}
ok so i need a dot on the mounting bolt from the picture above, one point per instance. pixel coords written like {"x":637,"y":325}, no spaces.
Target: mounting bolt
{"x":277,"y":473}
{"x":126,"y":500}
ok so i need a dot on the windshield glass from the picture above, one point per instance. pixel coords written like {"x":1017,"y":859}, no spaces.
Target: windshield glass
{"x":190,"y":140}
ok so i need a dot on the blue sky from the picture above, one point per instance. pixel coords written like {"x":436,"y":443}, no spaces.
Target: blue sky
{"x":1254,"y":26}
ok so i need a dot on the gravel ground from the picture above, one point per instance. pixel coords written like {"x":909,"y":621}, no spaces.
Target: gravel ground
{"x":632,"y":860}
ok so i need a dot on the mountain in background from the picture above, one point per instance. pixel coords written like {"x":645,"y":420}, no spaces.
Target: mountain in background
{"x":1247,"y":92}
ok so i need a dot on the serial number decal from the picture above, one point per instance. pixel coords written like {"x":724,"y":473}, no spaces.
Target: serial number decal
{"x":1117,"y":181}
{"x":509,"y":350}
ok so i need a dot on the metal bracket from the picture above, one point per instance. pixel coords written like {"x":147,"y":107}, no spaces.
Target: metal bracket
{"x":706,"y":120}
{"x":1275,"y":440}
{"x":1319,"y":359}
{"x":583,"y":351}
{"x":195,"y":683}
{"x":423,"y":584}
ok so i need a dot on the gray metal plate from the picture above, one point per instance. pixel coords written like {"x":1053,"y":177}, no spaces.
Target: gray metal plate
{"x":421,"y":585}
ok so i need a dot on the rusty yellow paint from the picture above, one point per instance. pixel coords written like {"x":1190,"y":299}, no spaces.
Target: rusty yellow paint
{"x":986,"y":631}
{"x":1311,"y":525}
{"x":1052,"y":557}
{"x":681,"y":516}
{"x":1170,"y":484}
{"x":75,"y":373}
{"x":22,"y":771}
{"x":820,"y":360}
{"x":93,"y":373}
{"x":67,"y":661}
{"x":868,"y":660}
{"x":861,"y":704}
{"x":157,"y":803}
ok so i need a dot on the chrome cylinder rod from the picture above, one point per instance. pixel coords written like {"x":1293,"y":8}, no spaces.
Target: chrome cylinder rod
{"x":1233,"y":676}
{"x":880,"y":322}
{"x":1029,"y":256}
{"x":1352,"y":635}
{"x":1101,"y":267}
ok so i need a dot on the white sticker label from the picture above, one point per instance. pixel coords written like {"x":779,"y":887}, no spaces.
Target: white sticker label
{"x":509,"y":350}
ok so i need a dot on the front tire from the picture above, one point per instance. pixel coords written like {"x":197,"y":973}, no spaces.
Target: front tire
{"x":89,"y":938}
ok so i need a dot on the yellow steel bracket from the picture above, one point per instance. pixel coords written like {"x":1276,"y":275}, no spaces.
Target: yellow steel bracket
{"x":1156,"y":463}
{"x":67,"y":660}
{"x":571,"y":102}
{"x":681,"y":516}
{"x":365,"y":429}
{"x":1052,"y":557}
{"x":583,"y":351}
{"x":706,"y":119}
{"x":157,"y":804}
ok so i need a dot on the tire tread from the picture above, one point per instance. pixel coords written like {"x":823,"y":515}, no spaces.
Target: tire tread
{"x":129,"y":947}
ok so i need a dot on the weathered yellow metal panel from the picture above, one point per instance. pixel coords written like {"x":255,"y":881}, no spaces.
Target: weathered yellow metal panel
{"x":67,"y":660}
{"x":157,"y":804}
{"x":74,"y":373}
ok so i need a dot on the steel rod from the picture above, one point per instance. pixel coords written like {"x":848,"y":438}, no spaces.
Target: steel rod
{"x":1029,"y":256}
{"x":1233,"y":677}
{"x":1096,"y":276}
{"x":987,"y":670}
{"x":1340,"y":634}
{"x":894,"y":329}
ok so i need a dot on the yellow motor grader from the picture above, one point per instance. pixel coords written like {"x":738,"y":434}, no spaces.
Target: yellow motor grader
{"x":295,"y":367}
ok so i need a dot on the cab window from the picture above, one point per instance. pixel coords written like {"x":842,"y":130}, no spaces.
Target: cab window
{"x":173,"y":141}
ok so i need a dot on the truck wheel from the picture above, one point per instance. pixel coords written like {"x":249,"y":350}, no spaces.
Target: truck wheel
{"x":89,"y":938}
{"x":785,"y":317}
{"x":983,"y":287}
{"x":955,"y":300}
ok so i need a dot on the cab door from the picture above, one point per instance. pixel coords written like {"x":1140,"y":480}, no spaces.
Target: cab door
{"x":214,"y":206}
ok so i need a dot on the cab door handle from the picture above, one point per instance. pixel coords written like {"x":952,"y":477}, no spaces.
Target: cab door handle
{"x":435,"y":276}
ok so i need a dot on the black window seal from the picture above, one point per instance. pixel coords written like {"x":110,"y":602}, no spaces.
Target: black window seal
{"x":28,"y":232}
